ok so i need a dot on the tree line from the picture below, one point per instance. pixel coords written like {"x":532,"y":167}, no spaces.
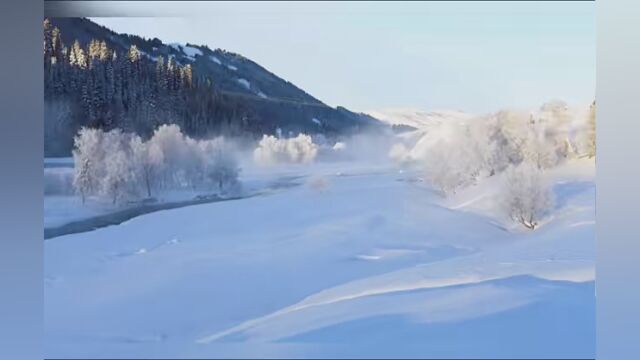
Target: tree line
{"x":118,"y":166}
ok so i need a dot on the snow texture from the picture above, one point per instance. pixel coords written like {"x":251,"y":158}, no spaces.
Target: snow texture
{"x":189,"y":51}
{"x":244,"y":83}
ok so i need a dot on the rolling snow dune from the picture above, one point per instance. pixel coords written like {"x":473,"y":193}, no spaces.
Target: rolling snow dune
{"x":370,"y":264}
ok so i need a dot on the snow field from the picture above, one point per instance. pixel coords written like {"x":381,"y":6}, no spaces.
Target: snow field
{"x":372,"y":246}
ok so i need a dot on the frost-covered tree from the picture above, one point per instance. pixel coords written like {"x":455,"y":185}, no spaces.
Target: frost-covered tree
{"x":557,"y":119}
{"x":458,"y":159}
{"x":557,"y":113}
{"x":458,"y":154}
{"x":482,"y":150}
{"x":117,"y":166}
{"x":273,"y":150}
{"x":451,"y":167}
{"x":82,"y":180}
{"x":590,"y":131}
{"x":118,"y":173}
{"x":193,"y":164}
{"x":168,"y":142}
{"x":88,"y":155}
{"x":511,"y":134}
{"x":146,"y":163}
{"x":537,"y":148}
{"x":221,"y":166}
{"x":526,"y":197}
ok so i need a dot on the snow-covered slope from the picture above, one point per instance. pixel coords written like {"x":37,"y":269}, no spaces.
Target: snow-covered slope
{"x":418,"y":119}
{"x":371,"y":264}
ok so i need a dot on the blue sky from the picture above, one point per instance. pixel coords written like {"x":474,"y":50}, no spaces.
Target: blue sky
{"x":476,"y":57}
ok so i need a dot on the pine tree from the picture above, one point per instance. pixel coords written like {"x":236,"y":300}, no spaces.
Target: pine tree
{"x":48,"y":42}
{"x":77,"y":56}
{"x":187,"y":76}
{"x":94,"y":51}
{"x":104,"y":52}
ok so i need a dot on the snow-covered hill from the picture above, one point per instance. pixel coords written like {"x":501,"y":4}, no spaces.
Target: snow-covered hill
{"x":418,"y":119}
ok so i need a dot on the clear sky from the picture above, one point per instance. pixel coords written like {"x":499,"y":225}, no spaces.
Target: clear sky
{"x":469,"y":56}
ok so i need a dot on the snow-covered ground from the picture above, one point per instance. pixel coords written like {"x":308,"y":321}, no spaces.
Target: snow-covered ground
{"x":358,"y":260}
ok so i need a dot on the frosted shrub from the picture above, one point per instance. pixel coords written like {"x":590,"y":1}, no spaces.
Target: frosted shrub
{"x":271,"y":150}
{"x":527,"y":197}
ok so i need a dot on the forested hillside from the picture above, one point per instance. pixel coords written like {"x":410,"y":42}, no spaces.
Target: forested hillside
{"x":97,"y":78}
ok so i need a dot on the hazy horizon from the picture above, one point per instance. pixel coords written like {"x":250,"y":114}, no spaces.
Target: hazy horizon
{"x":474,"y":57}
